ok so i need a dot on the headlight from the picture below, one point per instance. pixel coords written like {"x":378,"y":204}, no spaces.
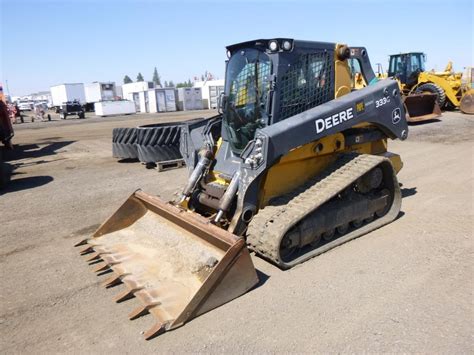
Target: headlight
{"x":228,"y":54}
{"x":273,"y":46}
{"x":286,"y":45}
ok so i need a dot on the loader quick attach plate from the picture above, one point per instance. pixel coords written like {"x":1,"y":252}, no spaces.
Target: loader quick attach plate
{"x":176,"y":263}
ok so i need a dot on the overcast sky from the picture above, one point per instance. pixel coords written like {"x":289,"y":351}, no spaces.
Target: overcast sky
{"x":49,"y":42}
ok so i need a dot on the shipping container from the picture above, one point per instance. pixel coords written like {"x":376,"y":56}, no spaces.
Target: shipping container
{"x":118,"y":107}
{"x":161,"y":100}
{"x":189,"y":99}
{"x":211,"y":90}
{"x":129,"y":89}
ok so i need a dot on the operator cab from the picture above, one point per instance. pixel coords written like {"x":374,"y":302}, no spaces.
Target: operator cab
{"x":270,"y":80}
{"x":406,"y":67}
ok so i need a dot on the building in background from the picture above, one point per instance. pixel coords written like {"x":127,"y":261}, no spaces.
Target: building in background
{"x":138,"y":93}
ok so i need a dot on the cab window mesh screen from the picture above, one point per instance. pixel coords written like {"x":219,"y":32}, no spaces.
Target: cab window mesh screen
{"x":308,"y":83}
{"x":245,"y":87}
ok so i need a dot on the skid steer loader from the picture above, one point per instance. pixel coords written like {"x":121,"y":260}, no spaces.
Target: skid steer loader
{"x":294,"y":165}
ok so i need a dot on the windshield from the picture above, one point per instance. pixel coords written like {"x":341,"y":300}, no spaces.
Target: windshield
{"x":247,"y":86}
{"x":416,"y":63}
{"x":409,"y":63}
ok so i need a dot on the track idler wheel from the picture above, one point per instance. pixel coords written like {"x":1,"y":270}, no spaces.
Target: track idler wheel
{"x":289,"y":245}
{"x":342,"y":229}
{"x":329,"y":235}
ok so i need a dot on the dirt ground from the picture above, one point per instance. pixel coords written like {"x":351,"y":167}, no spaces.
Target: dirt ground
{"x":407,"y":287}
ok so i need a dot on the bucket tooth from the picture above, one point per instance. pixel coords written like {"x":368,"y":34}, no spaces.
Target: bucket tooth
{"x":82,"y":242}
{"x":112,"y":281}
{"x":94,"y":256}
{"x":125,"y":295}
{"x":86,"y":250}
{"x":101,"y":267}
{"x":140,"y":311}
{"x":157,"y":329}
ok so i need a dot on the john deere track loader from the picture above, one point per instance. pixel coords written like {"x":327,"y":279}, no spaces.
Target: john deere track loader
{"x":293,"y":166}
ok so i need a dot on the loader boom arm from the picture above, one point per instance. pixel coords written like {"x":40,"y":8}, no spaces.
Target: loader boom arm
{"x":379,"y":104}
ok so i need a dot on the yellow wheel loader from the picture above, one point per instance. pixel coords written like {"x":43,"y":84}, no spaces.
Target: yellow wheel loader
{"x":295,"y":164}
{"x":426,"y":92}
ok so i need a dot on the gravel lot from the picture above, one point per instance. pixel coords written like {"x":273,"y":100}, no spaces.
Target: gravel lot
{"x":407,"y":287}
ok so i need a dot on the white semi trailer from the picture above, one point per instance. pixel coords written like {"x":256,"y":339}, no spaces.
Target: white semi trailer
{"x":63,"y":93}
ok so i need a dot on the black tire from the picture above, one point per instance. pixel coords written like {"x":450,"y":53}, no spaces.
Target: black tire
{"x":149,"y":143}
{"x":434,"y":89}
{"x":124,"y":143}
{"x":82,"y":115}
{"x":159,"y":142}
{"x":448,"y":106}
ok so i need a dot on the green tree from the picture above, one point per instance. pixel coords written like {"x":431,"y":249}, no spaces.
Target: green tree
{"x":127,"y":80}
{"x":140,"y":77}
{"x":185,"y":84}
{"x":171,"y":84}
{"x":166,"y":84}
{"x":156,"y":77}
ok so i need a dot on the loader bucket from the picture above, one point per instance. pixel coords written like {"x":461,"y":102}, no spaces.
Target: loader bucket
{"x":175,"y":262}
{"x":467,"y":102}
{"x":422,"y":107}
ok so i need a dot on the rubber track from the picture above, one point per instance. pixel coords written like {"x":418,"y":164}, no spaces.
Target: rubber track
{"x":268,"y":227}
{"x":124,"y":143}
